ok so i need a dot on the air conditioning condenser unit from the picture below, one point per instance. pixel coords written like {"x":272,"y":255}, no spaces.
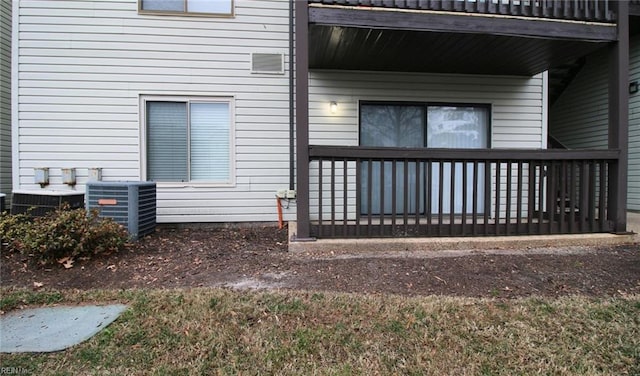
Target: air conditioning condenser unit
{"x":130,"y":203}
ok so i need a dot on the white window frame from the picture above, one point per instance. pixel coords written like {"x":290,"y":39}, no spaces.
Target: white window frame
{"x":189,"y":99}
{"x":187,"y":12}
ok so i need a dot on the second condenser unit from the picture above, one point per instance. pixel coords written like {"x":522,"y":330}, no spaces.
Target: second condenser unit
{"x":130,"y":203}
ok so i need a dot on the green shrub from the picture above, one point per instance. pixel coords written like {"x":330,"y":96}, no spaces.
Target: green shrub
{"x":61,"y":233}
{"x":13,"y":230}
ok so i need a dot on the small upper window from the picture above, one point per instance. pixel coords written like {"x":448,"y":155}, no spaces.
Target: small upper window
{"x":222,"y":7}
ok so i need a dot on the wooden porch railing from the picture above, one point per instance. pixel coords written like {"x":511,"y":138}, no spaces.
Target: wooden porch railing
{"x":400,"y":192}
{"x":578,"y":10}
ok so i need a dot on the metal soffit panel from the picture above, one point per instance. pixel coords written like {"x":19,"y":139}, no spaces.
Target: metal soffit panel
{"x":351,"y":48}
{"x":360,"y":38}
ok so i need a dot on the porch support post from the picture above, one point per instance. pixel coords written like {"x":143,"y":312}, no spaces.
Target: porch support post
{"x":302,"y":119}
{"x":619,"y":119}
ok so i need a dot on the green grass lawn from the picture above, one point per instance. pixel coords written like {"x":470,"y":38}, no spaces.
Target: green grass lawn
{"x":217,"y":331}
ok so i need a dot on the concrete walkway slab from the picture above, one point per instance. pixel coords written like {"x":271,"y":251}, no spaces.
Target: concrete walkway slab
{"x":53,"y":328}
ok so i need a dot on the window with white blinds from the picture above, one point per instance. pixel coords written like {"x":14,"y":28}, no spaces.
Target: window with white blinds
{"x":188,"y":140}
{"x":214,"y":7}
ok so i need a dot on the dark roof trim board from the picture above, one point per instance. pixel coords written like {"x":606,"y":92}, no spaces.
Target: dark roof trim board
{"x":391,"y":39}
{"x":422,"y":20}
{"x":584,"y":10}
{"x":634,"y":7}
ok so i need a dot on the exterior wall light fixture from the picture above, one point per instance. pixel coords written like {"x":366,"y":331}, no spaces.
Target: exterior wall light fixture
{"x":633,"y":87}
{"x":333,"y":107}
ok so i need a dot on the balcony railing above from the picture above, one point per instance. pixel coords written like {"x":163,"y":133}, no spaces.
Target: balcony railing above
{"x":578,"y":10}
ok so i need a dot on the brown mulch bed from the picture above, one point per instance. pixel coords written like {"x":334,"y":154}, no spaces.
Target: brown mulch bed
{"x":257,"y":257}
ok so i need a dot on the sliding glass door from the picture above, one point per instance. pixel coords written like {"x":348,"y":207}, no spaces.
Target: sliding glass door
{"x":390,"y":126}
{"x":456,"y":127}
{"x":417,"y":126}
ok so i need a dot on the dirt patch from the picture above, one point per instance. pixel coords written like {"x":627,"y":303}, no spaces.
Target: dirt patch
{"x":257,"y":257}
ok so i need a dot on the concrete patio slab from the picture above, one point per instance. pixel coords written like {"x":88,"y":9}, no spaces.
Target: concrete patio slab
{"x":373,"y":245}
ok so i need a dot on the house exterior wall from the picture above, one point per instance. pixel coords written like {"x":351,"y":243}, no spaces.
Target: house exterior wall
{"x":5,"y":97}
{"x":85,"y":65}
{"x":518,"y":111}
{"x":579,"y":119}
{"x":517,"y":119}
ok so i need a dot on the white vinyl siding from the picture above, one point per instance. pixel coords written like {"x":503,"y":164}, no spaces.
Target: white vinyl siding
{"x":579,"y":119}
{"x":5,"y":97}
{"x":517,"y":110}
{"x":84,"y":65}
{"x":516,"y":102}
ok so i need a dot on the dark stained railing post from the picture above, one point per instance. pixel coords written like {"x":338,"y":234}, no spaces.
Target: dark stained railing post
{"x":551,"y":194}
{"x":543,"y":173}
{"x":465,"y":183}
{"x":394,"y":194}
{"x":572,"y":196}
{"x":508,"y":198}
{"x":619,"y":119}
{"x":405,"y":197}
{"x":583,"y":201}
{"x":428,"y":195}
{"x":345,"y":193}
{"x":358,"y":190}
{"x":440,"y":196}
{"x":487,"y":195}
{"x":320,"y":183}
{"x":418,"y":196}
{"x":474,"y":211}
{"x":592,"y":196}
{"x":333,"y":197}
{"x":561,"y":201}
{"x":602,"y":209}
{"x":498,"y":191}
{"x":531,"y":195}
{"x":369,"y":196}
{"x":381,"y":215}
{"x":519,"y":200}
{"x":536,"y":8}
{"x":433,"y":4}
{"x":302,"y":119}
{"x":452,"y":196}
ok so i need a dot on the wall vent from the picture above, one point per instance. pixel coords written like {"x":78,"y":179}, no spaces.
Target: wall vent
{"x":269,"y":63}
{"x":131,"y":204}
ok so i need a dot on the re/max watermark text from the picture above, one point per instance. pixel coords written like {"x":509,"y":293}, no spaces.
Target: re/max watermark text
{"x":14,"y":371}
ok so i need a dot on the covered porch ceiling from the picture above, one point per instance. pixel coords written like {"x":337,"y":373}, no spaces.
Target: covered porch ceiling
{"x":352,"y":38}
